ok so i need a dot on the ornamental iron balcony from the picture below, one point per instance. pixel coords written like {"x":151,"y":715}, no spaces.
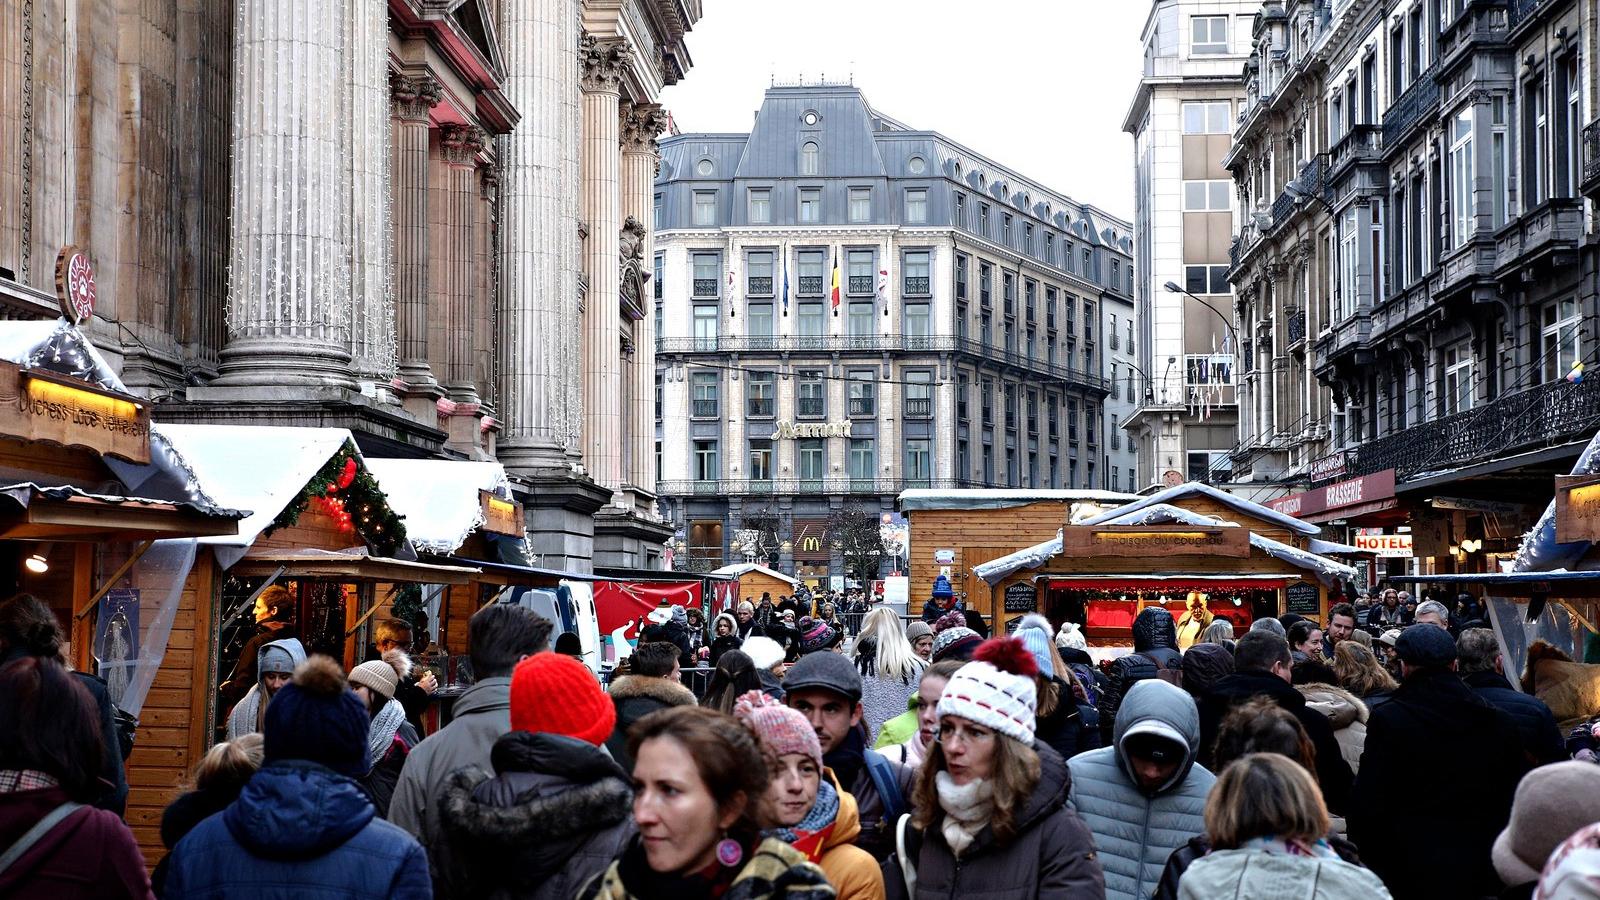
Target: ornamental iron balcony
{"x":1297,"y":326}
{"x":1520,"y":11}
{"x":862,"y":407}
{"x":1553,"y":226}
{"x":810,"y":407}
{"x":1361,"y":143}
{"x":860,"y":285}
{"x":919,"y":408}
{"x":704,"y":409}
{"x":918,"y":285}
{"x":1591,"y":157}
{"x":810,"y":285}
{"x":1418,"y":104}
{"x":1547,"y":415}
{"x":705,"y":287}
{"x":760,"y":285}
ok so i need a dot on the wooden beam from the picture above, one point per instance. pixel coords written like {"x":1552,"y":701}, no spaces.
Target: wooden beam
{"x":122,"y":570}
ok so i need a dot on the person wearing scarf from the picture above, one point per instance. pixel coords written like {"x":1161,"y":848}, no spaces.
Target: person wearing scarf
{"x":803,"y":805}
{"x":389,"y":737}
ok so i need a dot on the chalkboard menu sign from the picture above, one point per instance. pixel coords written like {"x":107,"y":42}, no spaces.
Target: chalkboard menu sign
{"x":1021,"y":598}
{"x":1301,"y":598}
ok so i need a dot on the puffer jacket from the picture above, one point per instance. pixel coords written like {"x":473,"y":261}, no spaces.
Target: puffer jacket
{"x":637,"y":696}
{"x":772,"y":870}
{"x":1051,"y":856}
{"x":1345,"y":712}
{"x":1155,"y":648}
{"x":852,"y":871}
{"x":1156,"y":636}
{"x":552,"y":817}
{"x":1136,"y":831}
{"x":1541,"y":737}
{"x":298,"y":829}
{"x":1248,"y":874}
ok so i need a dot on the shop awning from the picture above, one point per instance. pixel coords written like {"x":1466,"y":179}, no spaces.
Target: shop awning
{"x":1516,"y":584}
{"x":1242,"y":581}
{"x":349,"y":565}
{"x":439,"y":498}
{"x":738,"y":569}
{"x":1349,"y":513}
{"x":31,"y":511}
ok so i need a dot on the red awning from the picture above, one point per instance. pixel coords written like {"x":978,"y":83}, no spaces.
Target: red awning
{"x":616,"y":603}
{"x":1170,"y":583}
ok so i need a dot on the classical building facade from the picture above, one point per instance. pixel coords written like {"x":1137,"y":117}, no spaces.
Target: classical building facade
{"x":394,"y":218}
{"x":965,"y":346}
{"x":1444,"y":194}
{"x":1181,"y":119}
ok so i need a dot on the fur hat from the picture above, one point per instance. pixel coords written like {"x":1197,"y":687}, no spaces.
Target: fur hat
{"x":763,"y":651}
{"x":778,"y":729}
{"x":316,"y":718}
{"x":383,"y":675}
{"x":995,"y":690}
{"x":556,"y":694}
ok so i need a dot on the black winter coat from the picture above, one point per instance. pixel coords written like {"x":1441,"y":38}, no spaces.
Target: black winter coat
{"x":722,"y":645}
{"x":1541,"y":737}
{"x":554,"y":815}
{"x":1441,"y":762}
{"x":1333,"y":773}
{"x":1051,"y":856}
{"x":637,"y":696}
{"x":1155,"y":647}
{"x":674,"y":634}
{"x":1070,"y":729}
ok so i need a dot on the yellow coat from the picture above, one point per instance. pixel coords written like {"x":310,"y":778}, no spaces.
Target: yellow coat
{"x":852,"y":871}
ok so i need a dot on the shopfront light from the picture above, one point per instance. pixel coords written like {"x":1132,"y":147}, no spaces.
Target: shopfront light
{"x":37,"y":564}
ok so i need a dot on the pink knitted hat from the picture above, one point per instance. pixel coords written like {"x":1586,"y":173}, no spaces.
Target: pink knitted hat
{"x":779,"y":729}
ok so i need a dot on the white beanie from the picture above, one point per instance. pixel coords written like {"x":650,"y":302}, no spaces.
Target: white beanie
{"x":1071,"y":635}
{"x":763,"y":651}
{"x":995,"y":690}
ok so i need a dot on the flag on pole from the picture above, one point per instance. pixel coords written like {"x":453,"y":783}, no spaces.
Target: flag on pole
{"x":733,"y":309}
{"x":836,"y":285}
{"x":882,"y":293}
{"x":786,"y":281}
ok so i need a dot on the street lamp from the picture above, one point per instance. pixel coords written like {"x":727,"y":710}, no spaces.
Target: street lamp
{"x":1172,"y":288}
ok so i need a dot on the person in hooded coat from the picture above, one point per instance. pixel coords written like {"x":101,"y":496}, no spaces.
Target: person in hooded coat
{"x":1203,"y":666}
{"x":673,"y":629}
{"x":276,"y":662}
{"x":1346,"y":713}
{"x":653,"y":686}
{"x":1145,"y":795}
{"x":218,"y":778}
{"x":725,"y":631}
{"x":554,"y":812}
{"x":303,"y":826}
{"x":1155,"y":651}
{"x":391,"y":736}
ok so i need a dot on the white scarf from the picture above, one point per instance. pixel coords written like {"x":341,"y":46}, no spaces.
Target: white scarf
{"x":384,"y":726}
{"x":967,"y":810}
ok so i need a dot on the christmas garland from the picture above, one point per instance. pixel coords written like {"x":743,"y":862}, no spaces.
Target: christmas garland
{"x":348,"y":494}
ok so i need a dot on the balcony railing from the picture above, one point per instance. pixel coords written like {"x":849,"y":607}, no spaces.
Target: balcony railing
{"x":1547,"y":415}
{"x":704,"y":409}
{"x":705,"y":287}
{"x":975,"y":351}
{"x":726,"y":487}
{"x":1522,"y":10}
{"x":1361,"y":143}
{"x":919,"y":407}
{"x":1419,"y":102}
{"x":760,"y":285}
{"x":860,"y":285}
{"x":1591,"y":156}
{"x":863,"y":406}
{"x":759,"y":408}
{"x":810,"y":407}
{"x":916,"y":285}
{"x":1297,"y":326}
{"x":810,"y":285}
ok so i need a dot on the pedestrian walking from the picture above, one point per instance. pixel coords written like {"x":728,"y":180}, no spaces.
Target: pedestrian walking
{"x":28,"y":627}
{"x":1436,"y":842}
{"x":1144,"y":795}
{"x":1204,"y":665}
{"x":1482,"y":668}
{"x":1552,"y":803}
{"x":767,"y":655}
{"x":1341,"y":627}
{"x":552,"y":813}
{"x":670,"y":625}
{"x":699,"y":779}
{"x":1267,"y":826}
{"x":745,"y":615}
{"x":218,"y":778}
{"x":498,"y":637}
{"x":804,"y":805}
{"x":889,"y":666}
{"x":652,"y":684}
{"x":924,"y":713}
{"x":51,"y":743}
{"x":734,"y":677}
{"x":390,"y":737}
{"x":826,"y":688}
{"x":990,"y":812}
{"x":1345,"y":713}
{"x":276,"y":663}
{"x":1155,"y":655}
{"x":725,"y":631}
{"x":920,"y":635}
{"x":303,"y":824}
{"x":1059,"y":719}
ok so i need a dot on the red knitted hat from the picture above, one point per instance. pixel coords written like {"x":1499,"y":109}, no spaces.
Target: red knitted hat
{"x":556,"y":694}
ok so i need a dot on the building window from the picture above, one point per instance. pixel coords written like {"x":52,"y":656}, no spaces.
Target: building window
{"x":760,"y":395}
{"x":706,"y":467}
{"x":813,"y":459}
{"x":915,"y":276}
{"x":860,"y":204}
{"x":1457,"y":380}
{"x":813,"y":324}
{"x":919,"y":394}
{"x":918,"y":462}
{"x":860,"y":320}
{"x":761,"y":459}
{"x":655,"y":285}
{"x":860,"y":265}
{"x":808,"y":158}
{"x":961,"y":398}
{"x":1116,"y":385}
{"x":760,"y":206}
{"x":861,"y":391}
{"x":1116,"y":438}
{"x":758,"y":273}
{"x":1569,"y":166}
{"x":1559,"y":342}
{"x":658,"y":220}
{"x":1462,"y":220}
{"x":1207,"y":117}
{"x":1131,"y":351}
{"x":916,"y":206}
{"x":811,"y":263}
{"x":959,"y":210}
{"x":1205,"y":279}
{"x":1536,"y":181}
{"x":1116,"y":476}
{"x":811,"y":395}
{"x":1116,"y":274}
{"x":703,"y":392}
{"x":1500,"y":159}
{"x":985,"y":284}
{"x":1208,"y":35}
{"x":705,"y":275}
{"x":759,"y":325}
{"x":863,"y":462}
{"x":1206,"y":196}
{"x":707,"y":316}
{"x":1346,"y":300}
{"x":810,"y":206}
{"x":918,"y":321}
{"x":1005,"y":229}
{"x":983,"y":219}
{"x":986,"y":400}
{"x":1209,"y":368}
{"x":962,"y":266}
{"x":1008,"y":293}
{"x":1072,"y":260}
{"x":705,"y":207}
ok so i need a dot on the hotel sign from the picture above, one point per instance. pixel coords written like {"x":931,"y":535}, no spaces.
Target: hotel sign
{"x":1389,"y":546}
{"x":786,"y":430}
{"x":1146,"y":541}
{"x":36,"y":405}
{"x":1577,"y":508}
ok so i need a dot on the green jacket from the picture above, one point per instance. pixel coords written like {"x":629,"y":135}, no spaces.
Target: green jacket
{"x":899,"y":729}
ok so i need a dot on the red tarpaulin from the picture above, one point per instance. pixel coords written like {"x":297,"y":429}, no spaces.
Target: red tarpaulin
{"x":1168,"y":586}
{"x":617,"y":603}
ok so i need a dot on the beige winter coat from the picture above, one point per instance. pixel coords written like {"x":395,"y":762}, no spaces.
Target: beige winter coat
{"x":1346,"y":713}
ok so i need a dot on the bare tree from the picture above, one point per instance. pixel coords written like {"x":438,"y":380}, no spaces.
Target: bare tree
{"x":855,"y":531}
{"x":758,"y":530}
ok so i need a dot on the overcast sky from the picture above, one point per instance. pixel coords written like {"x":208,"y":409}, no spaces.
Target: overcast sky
{"x":1040,"y":86}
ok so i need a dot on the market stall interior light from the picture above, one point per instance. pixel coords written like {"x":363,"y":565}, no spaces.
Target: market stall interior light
{"x":37,"y":563}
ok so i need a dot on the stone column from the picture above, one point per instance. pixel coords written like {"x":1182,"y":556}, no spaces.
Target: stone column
{"x":640,"y":157}
{"x":460,"y":145}
{"x":600,"y":159}
{"x":372,"y":328}
{"x":413,"y":98}
{"x":289,"y":286}
{"x":488,"y":289}
{"x":538,"y":323}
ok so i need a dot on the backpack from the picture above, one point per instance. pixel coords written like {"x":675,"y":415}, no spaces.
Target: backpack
{"x":1125,"y":671}
{"x":881,"y":771}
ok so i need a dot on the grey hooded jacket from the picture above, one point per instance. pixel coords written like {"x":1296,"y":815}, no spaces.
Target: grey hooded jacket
{"x":246,"y":716}
{"x":1134,"y":830}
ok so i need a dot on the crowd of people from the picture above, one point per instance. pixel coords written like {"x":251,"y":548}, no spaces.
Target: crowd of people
{"x":918,"y":760}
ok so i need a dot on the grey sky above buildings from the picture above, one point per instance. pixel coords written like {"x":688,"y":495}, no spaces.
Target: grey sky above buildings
{"x":1040,"y":86}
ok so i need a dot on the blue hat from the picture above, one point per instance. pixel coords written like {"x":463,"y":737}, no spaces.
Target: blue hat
{"x":1039,"y":645}
{"x":315,"y":717}
{"x":941,"y":588}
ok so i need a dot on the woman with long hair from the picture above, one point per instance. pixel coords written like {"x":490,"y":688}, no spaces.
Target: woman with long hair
{"x":990,"y":800}
{"x":50,"y":748}
{"x":1268,"y":828}
{"x":699,"y":778}
{"x":735,"y":676}
{"x":924,"y":715}
{"x":1361,"y":674}
{"x":889,"y":668}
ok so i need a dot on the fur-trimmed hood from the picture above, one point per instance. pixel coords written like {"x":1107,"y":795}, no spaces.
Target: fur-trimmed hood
{"x":662,"y":690}
{"x":1341,"y":707}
